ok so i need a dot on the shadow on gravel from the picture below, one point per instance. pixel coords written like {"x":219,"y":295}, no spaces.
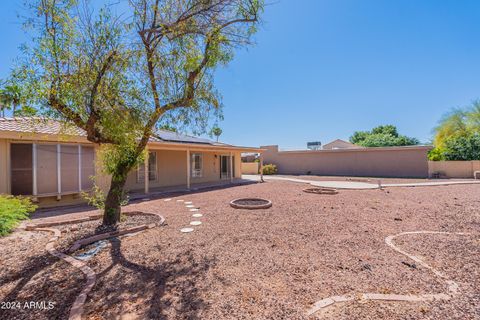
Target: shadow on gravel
{"x":41,"y":279}
{"x":168,"y":290}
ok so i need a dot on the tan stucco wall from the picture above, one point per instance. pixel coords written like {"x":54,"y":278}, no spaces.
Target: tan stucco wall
{"x":454,"y":169}
{"x":374,"y":162}
{"x":172,"y":169}
{"x":250,"y":167}
{"x":3,"y":166}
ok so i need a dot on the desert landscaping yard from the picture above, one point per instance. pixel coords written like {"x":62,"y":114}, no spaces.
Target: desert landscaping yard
{"x":264,"y":264}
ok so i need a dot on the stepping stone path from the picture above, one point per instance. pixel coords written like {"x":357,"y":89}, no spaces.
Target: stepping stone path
{"x":192,"y":208}
{"x":169,"y":199}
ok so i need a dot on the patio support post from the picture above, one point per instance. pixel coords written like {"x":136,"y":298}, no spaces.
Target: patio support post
{"x":59,"y":172}
{"x":261,"y":167}
{"x":146,"y":172}
{"x":231,"y":167}
{"x":34,"y":172}
{"x":79,"y":168}
{"x":188,"y":168}
{"x":9,"y":167}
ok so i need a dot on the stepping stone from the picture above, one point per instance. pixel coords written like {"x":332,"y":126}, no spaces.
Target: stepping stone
{"x":197,"y":215}
{"x":190,"y":206}
{"x":186,"y":230}
{"x":194,"y":209}
{"x":188,"y":202}
{"x":167,"y":199}
{"x":180,"y":200}
{"x":195,"y":223}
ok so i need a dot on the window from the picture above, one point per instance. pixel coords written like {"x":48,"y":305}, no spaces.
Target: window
{"x":152,"y":168}
{"x":196,"y":165}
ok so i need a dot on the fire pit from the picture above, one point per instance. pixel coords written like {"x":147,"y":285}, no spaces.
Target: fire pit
{"x":321,"y":190}
{"x":251,"y":203}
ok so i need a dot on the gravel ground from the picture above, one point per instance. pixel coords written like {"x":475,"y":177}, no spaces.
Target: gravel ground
{"x":274,"y":263}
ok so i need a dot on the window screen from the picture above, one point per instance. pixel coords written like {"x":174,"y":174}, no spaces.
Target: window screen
{"x":47,"y":169}
{"x":88,"y":167}
{"x":21,"y":169}
{"x":69,"y":165}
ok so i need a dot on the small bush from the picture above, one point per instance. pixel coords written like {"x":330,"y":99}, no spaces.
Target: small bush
{"x":96,"y":197}
{"x":269,"y":169}
{"x":12,"y":211}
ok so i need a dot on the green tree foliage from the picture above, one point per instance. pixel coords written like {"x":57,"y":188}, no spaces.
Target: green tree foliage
{"x":10,"y":98}
{"x":382,"y":136}
{"x":462,"y":147}
{"x":118,"y":76}
{"x":457,"y":135}
{"x":216,"y":131}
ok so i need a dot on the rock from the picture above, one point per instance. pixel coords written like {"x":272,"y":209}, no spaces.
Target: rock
{"x":410,"y":265}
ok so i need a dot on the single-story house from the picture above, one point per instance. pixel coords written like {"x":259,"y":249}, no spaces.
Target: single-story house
{"x":339,"y":144}
{"x":54,"y":162}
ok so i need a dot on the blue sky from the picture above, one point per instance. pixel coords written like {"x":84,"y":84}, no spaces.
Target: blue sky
{"x":322,"y":69}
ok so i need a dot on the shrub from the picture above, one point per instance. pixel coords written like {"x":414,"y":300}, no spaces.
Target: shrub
{"x":269,"y":169}
{"x":96,"y":197}
{"x":436,"y":154}
{"x":12,"y":211}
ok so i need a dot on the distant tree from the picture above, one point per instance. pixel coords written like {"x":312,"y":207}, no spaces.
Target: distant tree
{"x":382,"y":136}
{"x":456,"y":136}
{"x":167,"y":127}
{"x":216,"y":131}
{"x":462,"y":147}
{"x":10,"y":98}
{"x":116,"y":77}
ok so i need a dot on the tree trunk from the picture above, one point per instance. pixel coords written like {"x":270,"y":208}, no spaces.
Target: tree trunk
{"x":115,"y":196}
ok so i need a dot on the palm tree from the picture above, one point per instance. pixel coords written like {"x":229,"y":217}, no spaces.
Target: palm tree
{"x":14,"y":96}
{"x":217,"y":132}
{"x":5,"y":102}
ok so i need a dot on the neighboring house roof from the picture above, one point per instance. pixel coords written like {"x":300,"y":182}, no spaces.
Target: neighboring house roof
{"x":37,"y":125}
{"x":339,"y":144}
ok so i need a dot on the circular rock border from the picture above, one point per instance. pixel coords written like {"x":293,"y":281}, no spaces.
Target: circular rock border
{"x":264,"y":203}
{"x":452,"y":286}
{"x":321,"y":190}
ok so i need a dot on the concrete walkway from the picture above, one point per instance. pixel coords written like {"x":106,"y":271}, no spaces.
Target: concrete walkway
{"x":353,"y":185}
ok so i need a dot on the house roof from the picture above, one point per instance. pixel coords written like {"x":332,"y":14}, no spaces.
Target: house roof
{"x":341,"y":141}
{"x":36,"y":125}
